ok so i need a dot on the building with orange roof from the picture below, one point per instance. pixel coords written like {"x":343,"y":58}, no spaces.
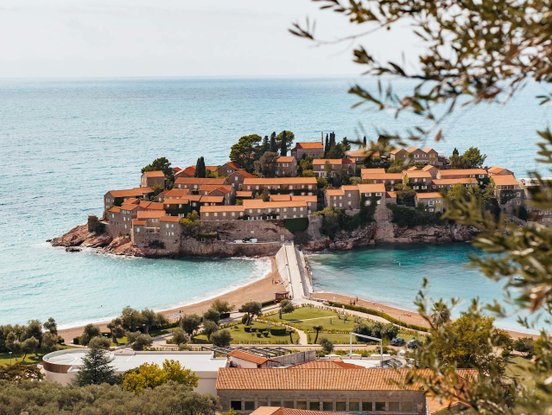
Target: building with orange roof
{"x":358,"y":156}
{"x":193,"y":183}
{"x":295,"y":185}
{"x":236,"y":178}
{"x":478,"y":174}
{"x":446,"y":184}
{"x":418,"y":180}
{"x":173,"y":194}
{"x":257,"y":209}
{"x":331,"y":167}
{"x":246,"y":360}
{"x":320,"y":389}
{"x":430,"y":201}
{"x":221,"y":213}
{"x":278,"y":410}
{"x":186,"y":172}
{"x":286,"y":166}
{"x":498,"y":171}
{"x":244,"y":194}
{"x":507,"y":190}
{"x":388,"y":179}
{"x":227,"y":168}
{"x":153,"y":179}
{"x":117,"y":197}
{"x":314,"y":149}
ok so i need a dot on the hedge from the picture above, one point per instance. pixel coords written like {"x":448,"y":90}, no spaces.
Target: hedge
{"x":379,"y":314}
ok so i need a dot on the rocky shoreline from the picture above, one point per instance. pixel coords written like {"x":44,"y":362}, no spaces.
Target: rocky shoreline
{"x":312,"y":241}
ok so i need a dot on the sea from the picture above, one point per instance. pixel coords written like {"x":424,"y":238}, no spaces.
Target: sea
{"x":65,"y":142}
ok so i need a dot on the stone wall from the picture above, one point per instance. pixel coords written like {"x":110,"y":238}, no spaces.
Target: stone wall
{"x":263,"y":231}
{"x":193,"y":247}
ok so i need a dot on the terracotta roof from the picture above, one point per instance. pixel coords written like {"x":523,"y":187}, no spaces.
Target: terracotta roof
{"x":279,"y":198}
{"x":497,"y":170}
{"x":244,"y":193}
{"x":170,"y":219}
{"x":350,"y":187}
{"x":428,"y":149}
{"x":199,"y":180}
{"x":412,"y":149}
{"x":176,"y":193}
{"x":326,"y":364}
{"x":396,"y":150}
{"x":221,"y":208}
{"x":279,"y":181}
{"x":187,"y":172}
{"x":320,"y":379}
{"x":129,"y":206}
{"x":371,"y":188}
{"x":154,"y":173}
{"x":150,"y":214}
{"x":372,"y":171}
{"x":429,"y":195}
{"x":225,"y":188}
{"x":310,"y":145}
{"x":212,"y":199}
{"x":181,"y":200}
{"x":276,"y":410}
{"x":232,"y":165}
{"x":151,"y":205}
{"x":243,"y":173}
{"x":138,"y":222}
{"x":418,"y":174}
{"x":132,"y":200}
{"x":461,"y":172}
{"x":379,"y":176}
{"x":312,"y":379}
{"x":357,"y":153}
{"x":318,"y":162}
{"x":428,"y":167}
{"x":137,"y":191}
{"x":334,"y":192}
{"x":114,"y":209}
{"x":248,"y":357}
{"x":505,"y":180}
{"x":260,"y":204}
{"x":461,"y":180}
{"x":413,"y":168}
{"x":306,"y":198}
{"x":285,"y":159}
{"x":391,"y":195}
{"x":211,"y":168}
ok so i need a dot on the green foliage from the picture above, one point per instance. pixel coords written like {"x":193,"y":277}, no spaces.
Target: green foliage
{"x":266,"y":165}
{"x":221,"y":338}
{"x":410,"y":217}
{"x":89,"y":331}
{"x":284,"y":140}
{"x":252,"y":309}
{"x":246,"y":151}
{"x":163,"y":164}
{"x":376,"y":329}
{"x":150,"y":376}
{"x":47,"y":398}
{"x":327,"y":345}
{"x":19,"y":372}
{"x":141,"y":342}
{"x":191,"y":225}
{"x":134,"y":320}
{"x":222,"y":306}
{"x":209,"y":327}
{"x":190,"y":323}
{"x":99,"y":343}
{"x":179,"y":336}
{"x":471,"y":159}
{"x":295,"y":225}
{"x":286,"y":307}
{"x":212,"y":315}
{"x":96,"y":368}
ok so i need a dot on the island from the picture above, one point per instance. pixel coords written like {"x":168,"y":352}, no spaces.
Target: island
{"x":319,"y":194}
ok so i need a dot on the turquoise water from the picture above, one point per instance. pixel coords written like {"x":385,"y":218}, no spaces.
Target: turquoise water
{"x":394,"y":275}
{"x":64,"y":143}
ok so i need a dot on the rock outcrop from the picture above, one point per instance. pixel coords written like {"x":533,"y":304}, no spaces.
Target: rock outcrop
{"x":80,"y":236}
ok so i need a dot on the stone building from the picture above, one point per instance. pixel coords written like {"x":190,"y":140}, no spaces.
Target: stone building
{"x":286,"y":166}
{"x":313,"y":149}
{"x":153,"y":179}
{"x":331,"y":167}
{"x":295,"y":185}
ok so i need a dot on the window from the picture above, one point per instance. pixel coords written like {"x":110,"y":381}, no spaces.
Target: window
{"x":393,"y":406}
{"x":249,"y":405}
{"x":301,"y":405}
{"x":327,"y":406}
{"x":275,"y":402}
{"x":314,"y":406}
{"x":366,"y":406}
{"x":236,"y":405}
{"x":341,"y":406}
{"x":354,"y":406}
{"x":407,"y":407}
{"x":380,"y":406}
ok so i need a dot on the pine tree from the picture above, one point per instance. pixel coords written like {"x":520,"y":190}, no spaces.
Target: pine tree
{"x":200,"y":170}
{"x":273,"y":144}
{"x":283,"y":144}
{"x":96,"y":368}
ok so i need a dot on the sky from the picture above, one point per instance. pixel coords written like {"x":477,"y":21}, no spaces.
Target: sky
{"x":134,"y":38}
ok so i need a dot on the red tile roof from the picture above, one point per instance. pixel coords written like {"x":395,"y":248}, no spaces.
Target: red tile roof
{"x":452,"y":182}
{"x":200,"y":180}
{"x":280,"y":181}
{"x":276,"y":410}
{"x":260,"y":204}
{"x":285,"y":159}
{"x":154,"y":173}
{"x":169,"y":219}
{"x":310,"y":145}
{"x":504,"y":180}
{"x":150,"y":214}
{"x":429,"y":195}
{"x":461,"y":172}
{"x":326,"y":364}
{"x":371,"y":188}
{"x":248,"y":357}
{"x":138,"y":191}
{"x":221,"y":208}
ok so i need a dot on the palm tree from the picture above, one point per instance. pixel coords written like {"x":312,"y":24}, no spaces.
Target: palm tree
{"x":317,"y":329}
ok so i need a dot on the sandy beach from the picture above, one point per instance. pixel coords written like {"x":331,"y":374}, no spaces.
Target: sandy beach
{"x":260,"y":290}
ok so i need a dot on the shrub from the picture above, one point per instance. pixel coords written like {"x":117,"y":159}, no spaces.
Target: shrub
{"x":409,"y":217}
{"x":221,"y":338}
{"x":142,"y":341}
{"x":327,"y":345}
{"x":296,"y":225}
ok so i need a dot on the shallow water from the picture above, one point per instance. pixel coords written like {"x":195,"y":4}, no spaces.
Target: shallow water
{"x":63,"y":144}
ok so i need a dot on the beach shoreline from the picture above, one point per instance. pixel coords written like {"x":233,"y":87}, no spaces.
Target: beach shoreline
{"x":261,"y":289}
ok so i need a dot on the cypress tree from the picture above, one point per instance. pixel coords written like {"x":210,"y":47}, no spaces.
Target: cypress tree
{"x":200,"y":170}
{"x":364,"y":142}
{"x":265,"y":146}
{"x":283,"y":144}
{"x":326,"y":146}
{"x":273,"y":144}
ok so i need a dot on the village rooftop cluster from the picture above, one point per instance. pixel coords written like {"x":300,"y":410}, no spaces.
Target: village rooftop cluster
{"x":152,"y":211}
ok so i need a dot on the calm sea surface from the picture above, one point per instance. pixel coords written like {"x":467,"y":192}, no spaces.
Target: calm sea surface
{"x":64,"y":143}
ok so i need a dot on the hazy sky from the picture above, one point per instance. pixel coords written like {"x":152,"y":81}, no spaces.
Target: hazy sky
{"x":72,"y":38}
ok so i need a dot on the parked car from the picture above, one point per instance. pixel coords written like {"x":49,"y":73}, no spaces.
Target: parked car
{"x":397,"y":341}
{"x":412,"y":344}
